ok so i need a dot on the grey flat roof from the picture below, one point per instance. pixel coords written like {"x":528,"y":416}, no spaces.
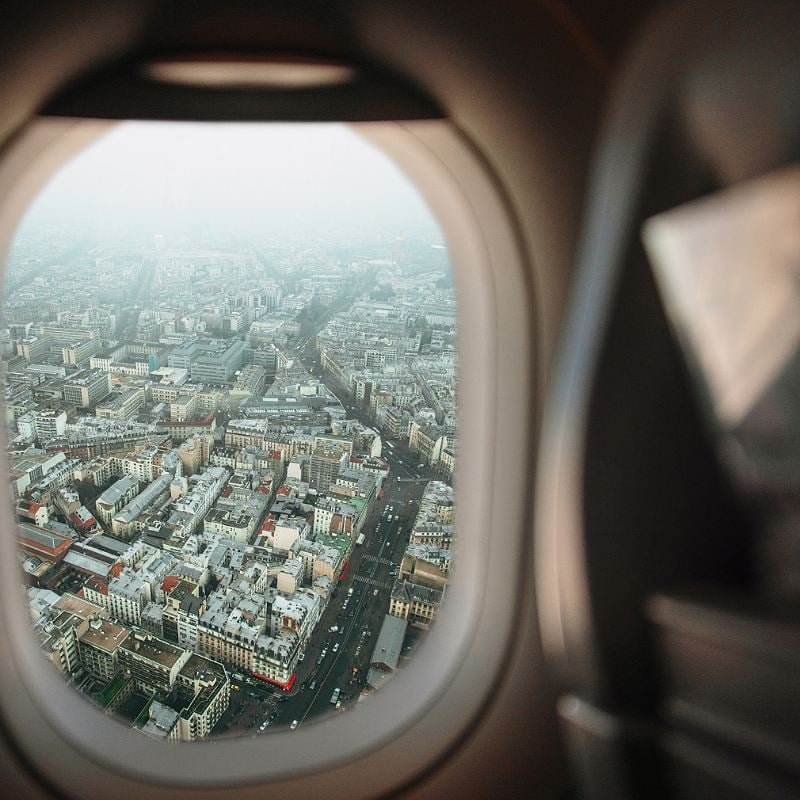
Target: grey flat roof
{"x":390,"y":642}
{"x":109,"y":543}
{"x":118,"y":489}
{"x":87,"y":563}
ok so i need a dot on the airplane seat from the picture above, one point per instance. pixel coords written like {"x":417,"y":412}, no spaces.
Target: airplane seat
{"x":666,"y":613}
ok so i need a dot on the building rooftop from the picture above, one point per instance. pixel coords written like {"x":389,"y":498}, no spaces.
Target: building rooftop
{"x":114,"y":546}
{"x":105,"y":635}
{"x":153,"y":649}
{"x":41,"y":539}
{"x":415,"y":593}
{"x":85,"y":376}
{"x":161,"y":721}
{"x":389,"y":646}
{"x":77,"y":605}
{"x":117,"y":490}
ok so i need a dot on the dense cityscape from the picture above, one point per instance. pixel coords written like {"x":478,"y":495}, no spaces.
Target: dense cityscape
{"x":231,"y":466}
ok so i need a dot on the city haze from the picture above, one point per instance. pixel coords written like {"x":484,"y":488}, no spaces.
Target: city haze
{"x":175,"y":178}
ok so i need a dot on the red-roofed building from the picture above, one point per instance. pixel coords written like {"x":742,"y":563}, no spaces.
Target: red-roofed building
{"x":268,"y":525}
{"x":169,"y":583}
{"x":33,"y":511}
{"x":82,"y":519}
{"x":43,"y":543}
{"x":341,"y":524}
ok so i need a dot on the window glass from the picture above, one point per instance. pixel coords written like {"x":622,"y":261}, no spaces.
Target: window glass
{"x":230,"y":367}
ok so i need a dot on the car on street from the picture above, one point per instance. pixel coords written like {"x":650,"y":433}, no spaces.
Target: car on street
{"x":336,"y":647}
{"x":334,"y":628}
{"x":294,"y":724}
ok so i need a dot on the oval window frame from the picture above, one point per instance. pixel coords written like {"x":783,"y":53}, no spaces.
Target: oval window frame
{"x":474,"y":631}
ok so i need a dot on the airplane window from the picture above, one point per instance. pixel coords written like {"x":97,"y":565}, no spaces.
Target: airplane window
{"x":230,"y":368}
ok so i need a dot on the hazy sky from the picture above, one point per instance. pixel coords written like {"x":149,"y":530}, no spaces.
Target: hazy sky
{"x":245,"y":177}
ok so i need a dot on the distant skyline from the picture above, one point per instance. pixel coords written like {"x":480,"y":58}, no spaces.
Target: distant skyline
{"x":242,"y":178}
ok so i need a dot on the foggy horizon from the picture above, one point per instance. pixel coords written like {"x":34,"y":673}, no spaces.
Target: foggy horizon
{"x":241,"y":179}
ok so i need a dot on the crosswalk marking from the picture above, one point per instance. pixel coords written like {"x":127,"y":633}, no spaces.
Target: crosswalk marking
{"x":378,"y":559}
{"x":374,"y":582}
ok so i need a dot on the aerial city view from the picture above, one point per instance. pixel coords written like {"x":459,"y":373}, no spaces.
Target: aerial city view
{"x":230,"y":394}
